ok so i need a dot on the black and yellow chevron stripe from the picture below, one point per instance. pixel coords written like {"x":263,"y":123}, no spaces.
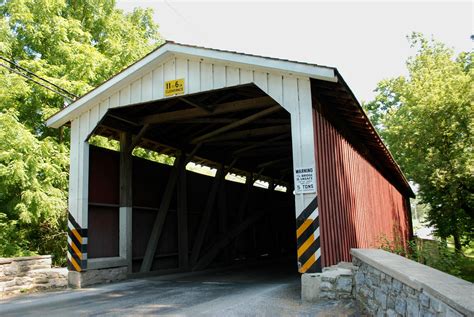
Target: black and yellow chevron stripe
{"x":307,"y":237}
{"x":77,"y":246}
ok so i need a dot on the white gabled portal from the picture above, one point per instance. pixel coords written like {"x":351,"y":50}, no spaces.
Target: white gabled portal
{"x":203,"y":70}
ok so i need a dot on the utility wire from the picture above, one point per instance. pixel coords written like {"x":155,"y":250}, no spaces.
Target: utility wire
{"x":36,"y":82}
{"x":34,"y":75}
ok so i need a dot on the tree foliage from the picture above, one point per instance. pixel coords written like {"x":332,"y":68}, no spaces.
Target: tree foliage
{"x":76,"y":45}
{"x":427,"y":120}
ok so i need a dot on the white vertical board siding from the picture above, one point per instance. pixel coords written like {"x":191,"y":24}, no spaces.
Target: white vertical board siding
{"x":169,"y":70}
{"x":73,"y":169}
{"x":219,"y":76}
{"x":104,"y":106}
{"x":306,"y":148}
{"x":136,"y":91}
{"x":232,"y":76}
{"x":158,"y":83}
{"x":194,"y":77}
{"x":114,"y":100}
{"x":275,"y":87}
{"x":79,"y":167}
{"x":181,"y":72}
{"x":83,"y":167}
{"x":147,"y":88}
{"x":124,"y":96}
{"x":93,"y":119}
{"x":207,"y":76}
{"x":246,"y":76}
{"x":260,"y":80}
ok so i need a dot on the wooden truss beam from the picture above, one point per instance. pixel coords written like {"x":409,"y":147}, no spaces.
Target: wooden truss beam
{"x":260,"y":144}
{"x":274,"y":162}
{"x":189,"y":102}
{"x":212,"y":120}
{"x":251,"y":133}
{"x":238,"y":123}
{"x":206,"y":216}
{"x":269,"y":151}
{"x":228,"y":107}
{"x":138,"y":138}
{"x":161,"y":216}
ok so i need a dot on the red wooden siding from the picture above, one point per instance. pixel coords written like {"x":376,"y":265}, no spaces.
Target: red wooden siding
{"x":357,"y":205}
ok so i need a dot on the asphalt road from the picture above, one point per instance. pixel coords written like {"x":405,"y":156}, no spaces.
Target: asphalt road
{"x":243,"y":292}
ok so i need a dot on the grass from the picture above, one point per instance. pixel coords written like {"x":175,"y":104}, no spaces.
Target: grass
{"x":437,"y":255}
{"x":466,"y":261}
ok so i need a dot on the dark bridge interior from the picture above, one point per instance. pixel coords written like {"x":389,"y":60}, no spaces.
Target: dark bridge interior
{"x":183,"y":220}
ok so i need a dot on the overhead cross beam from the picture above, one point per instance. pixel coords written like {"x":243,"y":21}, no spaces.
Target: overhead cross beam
{"x":189,"y":102}
{"x":274,"y":162}
{"x":251,"y":133}
{"x":269,"y":151}
{"x":228,"y":107}
{"x":237,"y":124}
{"x":259,"y":144}
{"x":228,"y":120}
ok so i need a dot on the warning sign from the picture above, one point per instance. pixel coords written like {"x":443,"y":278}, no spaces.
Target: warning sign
{"x":174,"y":87}
{"x":305,"y":180}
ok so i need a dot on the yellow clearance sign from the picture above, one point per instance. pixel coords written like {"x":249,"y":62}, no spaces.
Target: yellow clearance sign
{"x":174,"y":87}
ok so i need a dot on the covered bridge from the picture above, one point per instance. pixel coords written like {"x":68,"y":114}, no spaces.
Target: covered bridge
{"x":292,"y":126}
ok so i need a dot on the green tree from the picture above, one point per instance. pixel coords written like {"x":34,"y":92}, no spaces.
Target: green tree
{"x":76,"y":45}
{"x":33,"y":182}
{"x":427,"y":120}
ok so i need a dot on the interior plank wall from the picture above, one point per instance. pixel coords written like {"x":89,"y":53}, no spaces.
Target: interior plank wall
{"x":358,"y":206}
{"x":272,"y":235}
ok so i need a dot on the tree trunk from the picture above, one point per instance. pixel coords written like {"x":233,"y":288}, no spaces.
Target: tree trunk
{"x":457,"y":242}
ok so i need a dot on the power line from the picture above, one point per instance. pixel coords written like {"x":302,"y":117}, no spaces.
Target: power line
{"x":36,"y":82}
{"x":34,"y":75}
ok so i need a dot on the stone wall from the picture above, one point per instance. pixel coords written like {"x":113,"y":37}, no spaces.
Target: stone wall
{"x":30,"y":273}
{"x":335,"y":282}
{"x":390,"y":285}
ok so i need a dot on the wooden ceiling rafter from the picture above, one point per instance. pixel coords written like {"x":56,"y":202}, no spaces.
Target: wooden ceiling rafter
{"x":236,"y":124}
{"x":228,"y":107}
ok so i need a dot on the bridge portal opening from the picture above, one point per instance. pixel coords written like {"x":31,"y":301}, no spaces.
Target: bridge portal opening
{"x":206,"y":180}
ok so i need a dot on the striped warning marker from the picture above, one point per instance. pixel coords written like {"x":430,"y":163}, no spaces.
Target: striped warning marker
{"x":307,"y":239}
{"x":77,"y":246}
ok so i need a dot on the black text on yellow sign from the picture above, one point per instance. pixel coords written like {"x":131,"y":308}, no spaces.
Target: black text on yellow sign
{"x":174,"y":87}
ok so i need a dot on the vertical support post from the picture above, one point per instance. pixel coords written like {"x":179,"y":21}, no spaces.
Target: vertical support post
{"x":297,"y":97}
{"x":125,"y":212}
{"x":78,"y":196}
{"x":183,"y":248}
